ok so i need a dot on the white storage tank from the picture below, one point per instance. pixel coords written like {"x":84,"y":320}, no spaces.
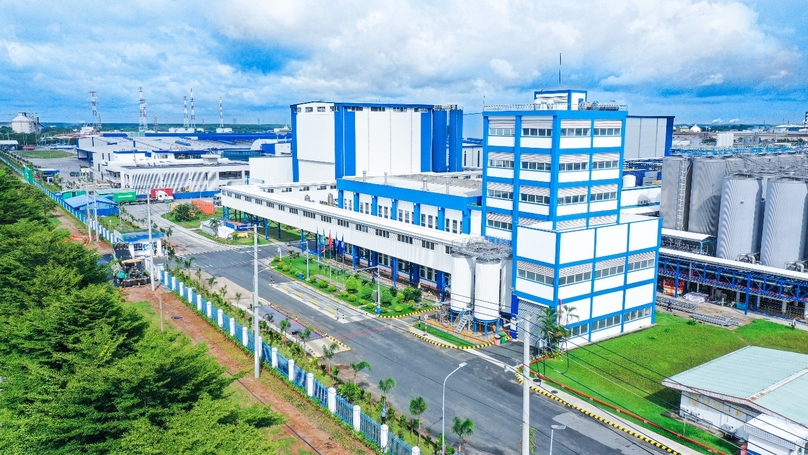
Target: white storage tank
{"x":486,"y":290}
{"x":674,"y":201}
{"x":629,"y":181}
{"x":705,"y":195}
{"x":784,"y":222}
{"x":741,"y":217}
{"x":462,"y":282}
{"x":505,"y":290}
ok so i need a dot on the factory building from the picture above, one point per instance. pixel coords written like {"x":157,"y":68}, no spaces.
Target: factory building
{"x":335,"y":140}
{"x":26,"y":123}
{"x":543,"y":224}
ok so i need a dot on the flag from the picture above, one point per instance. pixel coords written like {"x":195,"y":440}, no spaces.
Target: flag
{"x":330,"y":242}
{"x":342,"y":244}
{"x":302,"y":242}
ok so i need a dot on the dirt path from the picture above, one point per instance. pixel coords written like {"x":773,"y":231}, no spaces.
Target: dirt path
{"x":78,"y":235}
{"x":303,"y":417}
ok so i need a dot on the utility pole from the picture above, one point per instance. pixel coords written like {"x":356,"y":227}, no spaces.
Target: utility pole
{"x":526,"y":390}
{"x":162,"y":327}
{"x":255,"y":302}
{"x":95,"y":214}
{"x":87,"y":212}
{"x":151,"y":251}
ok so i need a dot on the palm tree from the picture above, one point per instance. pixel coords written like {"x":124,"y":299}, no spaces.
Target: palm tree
{"x":284,"y":326}
{"x":199,"y":274}
{"x":551,"y":332}
{"x":223,"y":291}
{"x":417,"y":407}
{"x":211,"y":281}
{"x":386,"y":385}
{"x":188,"y":262}
{"x":329,"y":352}
{"x":304,"y":336}
{"x":357,"y":367}
{"x":462,"y":428}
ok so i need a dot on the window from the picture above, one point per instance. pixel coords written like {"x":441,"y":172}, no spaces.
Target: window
{"x":573,"y":167}
{"x":608,"y":132}
{"x":534,"y":199}
{"x":448,"y":249}
{"x":321,"y":187}
{"x":386,"y":212}
{"x":303,"y":188}
{"x":407,"y":217}
{"x":404,"y":239}
{"x":501,"y":131}
{"x":354,"y":108}
{"x":327,"y":219}
{"x":427,"y":245}
{"x":638,"y":314}
{"x":423,"y":220}
{"x":361,"y":227}
{"x":497,"y":194}
{"x":531,"y":166}
{"x":576,"y":278}
{"x":308,"y":214}
{"x":309,"y":109}
{"x":503,"y":164}
{"x":610,"y":271}
{"x":271,"y":205}
{"x":342,"y":223}
{"x":334,"y":108}
{"x":533,"y":276}
{"x":538,"y":132}
{"x":297,"y":109}
{"x":576,"y":199}
{"x":579,"y":330}
{"x":607,"y":322}
{"x":377,"y":109}
{"x":320,"y":108}
{"x":367,"y":207}
{"x":429,"y":219}
{"x":400,"y":215}
{"x":608,"y":196}
{"x":383,"y":233}
{"x":270,"y":190}
{"x":496,"y":224}
{"x":639,"y":265}
{"x":454,"y":226}
{"x":286,"y":190}
{"x":611,"y":164}
{"x":282,"y":208}
{"x":399,"y":109}
{"x":293,"y":211}
{"x":574,"y":132}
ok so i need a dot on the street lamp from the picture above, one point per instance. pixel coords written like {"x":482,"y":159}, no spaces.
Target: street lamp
{"x":378,"y":286}
{"x":525,"y":386}
{"x":256,"y":342}
{"x":553,"y":428}
{"x":443,"y":411}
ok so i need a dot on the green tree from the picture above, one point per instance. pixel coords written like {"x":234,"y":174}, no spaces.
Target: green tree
{"x":386,"y":385}
{"x":304,"y":336}
{"x":387,"y":297}
{"x":417,"y":408}
{"x":184,"y":212}
{"x":284,"y":326}
{"x":329,"y":352}
{"x":551,"y":332}
{"x":357,"y":367}
{"x":462,"y":428}
{"x":352,"y":285}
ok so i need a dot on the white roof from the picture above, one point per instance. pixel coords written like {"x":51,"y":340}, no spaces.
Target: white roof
{"x":685,"y":235}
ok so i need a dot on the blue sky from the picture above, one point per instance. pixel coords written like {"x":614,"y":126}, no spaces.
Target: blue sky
{"x":701,"y":61}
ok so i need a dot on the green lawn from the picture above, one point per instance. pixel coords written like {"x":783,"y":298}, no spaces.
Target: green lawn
{"x":44,"y":154}
{"x":194,"y":224}
{"x":627,"y":371}
{"x":114,"y":222}
{"x":447,"y":337}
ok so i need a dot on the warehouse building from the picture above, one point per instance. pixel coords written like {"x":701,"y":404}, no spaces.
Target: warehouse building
{"x":540,"y":226}
{"x":766,"y":408}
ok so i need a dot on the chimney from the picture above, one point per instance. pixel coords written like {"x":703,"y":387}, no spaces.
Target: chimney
{"x":426,"y":187}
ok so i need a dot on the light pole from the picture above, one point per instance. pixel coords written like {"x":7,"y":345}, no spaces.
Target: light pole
{"x":443,"y":411}
{"x":255,"y":303}
{"x":526,"y":381}
{"x":553,"y":428}
{"x":151,"y":246}
{"x":378,"y":286}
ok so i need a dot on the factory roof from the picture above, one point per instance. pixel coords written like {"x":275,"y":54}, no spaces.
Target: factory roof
{"x":685,"y":235}
{"x":464,"y":184}
{"x":80,"y":201}
{"x":736,"y":265}
{"x":340,"y":103}
{"x":768,"y":380}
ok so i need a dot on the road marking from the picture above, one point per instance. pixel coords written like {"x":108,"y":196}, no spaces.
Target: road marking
{"x":360,"y":333}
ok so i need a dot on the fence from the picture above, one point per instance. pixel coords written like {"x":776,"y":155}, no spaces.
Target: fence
{"x":105,"y":233}
{"x":326,"y":396}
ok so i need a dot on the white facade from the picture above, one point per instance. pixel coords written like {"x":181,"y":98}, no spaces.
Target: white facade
{"x":26,"y":123}
{"x":271,"y":169}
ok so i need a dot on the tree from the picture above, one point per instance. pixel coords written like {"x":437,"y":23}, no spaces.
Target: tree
{"x":223,"y":291}
{"x":184,"y":212}
{"x":462,"y":428}
{"x":352,"y":285}
{"x":188,"y":262}
{"x":386,"y":385}
{"x":238,"y":297}
{"x":304,"y":336}
{"x":211,"y":281}
{"x":198,"y":274}
{"x":329,"y":352}
{"x":284,"y":326}
{"x":551,"y":332}
{"x":417,"y":407}
{"x":357,"y":367}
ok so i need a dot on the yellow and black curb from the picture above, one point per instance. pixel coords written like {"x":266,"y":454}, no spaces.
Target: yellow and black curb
{"x":337,"y":341}
{"x":451,"y":346}
{"x":599,"y":418}
{"x":396,"y":316}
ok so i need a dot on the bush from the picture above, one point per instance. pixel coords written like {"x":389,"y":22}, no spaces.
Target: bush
{"x":385,"y":310}
{"x":332,"y":288}
{"x":411,"y":293}
{"x":370,"y":306}
{"x":362,"y":302}
{"x":387,"y":297}
{"x":399,"y":308}
{"x":323,"y":284}
{"x":352,"y":285}
{"x":352,"y":298}
{"x":365,"y":293}
{"x":343,"y":294}
{"x":287,"y":268}
{"x":393,"y":291}
{"x":313,"y":280}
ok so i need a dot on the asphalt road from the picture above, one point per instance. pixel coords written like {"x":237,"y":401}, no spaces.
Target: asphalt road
{"x":184,"y":240}
{"x":482,"y":390}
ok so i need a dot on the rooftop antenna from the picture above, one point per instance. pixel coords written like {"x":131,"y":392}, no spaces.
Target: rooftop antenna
{"x":559,"y":70}
{"x":805,"y":122}
{"x":221,"y":114}
{"x":193,"y":116}
{"x":142,"y":126}
{"x":185,"y":112}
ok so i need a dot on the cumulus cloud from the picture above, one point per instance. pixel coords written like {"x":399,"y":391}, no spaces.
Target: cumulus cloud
{"x":263,"y":56}
{"x":735,"y":120}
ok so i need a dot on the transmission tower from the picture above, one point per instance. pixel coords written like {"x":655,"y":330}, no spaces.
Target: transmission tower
{"x":185,"y":112}
{"x":155,"y":123}
{"x":193,"y":116}
{"x":142,"y":125}
{"x":221,"y":114}
{"x":94,"y":106}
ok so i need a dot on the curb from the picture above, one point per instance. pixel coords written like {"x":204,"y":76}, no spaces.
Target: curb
{"x":451,"y":346}
{"x":427,"y":310}
{"x":639,"y":436}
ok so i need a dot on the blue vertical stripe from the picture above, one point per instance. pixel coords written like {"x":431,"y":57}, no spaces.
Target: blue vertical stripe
{"x":295,"y":164}
{"x":426,"y":142}
{"x":455,"y":140}
{"x":339,"y":143}
{"x":349,"y":135}
{"x":439,"y":124}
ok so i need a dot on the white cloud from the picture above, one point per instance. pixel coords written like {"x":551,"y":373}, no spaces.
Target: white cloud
{"x":718,"y":120}
{"x":735,"y":120}
{"x":713,"y":79}
{"x":502,"y":68}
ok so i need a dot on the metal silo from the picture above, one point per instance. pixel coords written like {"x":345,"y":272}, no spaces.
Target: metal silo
{"x":675,"y":192}
{"x":486,"y":290}
{"x":784,"y":222}
{"x":705,"y":195}
{"x":741,"y":216}
{"x":505,"y":291}
{"x":462,"y":282}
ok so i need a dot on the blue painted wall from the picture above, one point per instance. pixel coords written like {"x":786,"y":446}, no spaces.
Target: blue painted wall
{"x":439,"y":124}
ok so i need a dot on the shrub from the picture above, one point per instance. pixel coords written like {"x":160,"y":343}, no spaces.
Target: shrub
{"x":323,"y":284}
{"x":370,"y":306}
{"x":332,"y":288}
{"x":410,"y":302}
{"x":387,"y":297}
{"x":393,"y":291}
{"x":352,"y":285}
{"x":352,"y":298}
{"x":287,"y":268}
{"x":313,"y":280}
{"x":362,"y":302}
{"x":365,"y":293}
{"x":399,"y":308}
{"x":343,"y":294}
{"x":385,"y":310}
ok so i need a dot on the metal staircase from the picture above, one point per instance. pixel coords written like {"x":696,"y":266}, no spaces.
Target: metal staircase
{"x":681,"y":193}
{"x":464,"y":322}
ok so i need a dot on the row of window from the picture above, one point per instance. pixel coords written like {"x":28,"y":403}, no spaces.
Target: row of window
{"x":534,"y":199}
{"x":607,"y":196}
{"x":582,"y":198}
{"x":501,"y":131}
{"x":383,"y":233}
{"x":548,"y":132}
{"x":611,"y":321}
{"x":574,"y":132}
{"x":608,"y":132}
{"x":496,"y":224}
{"x":497,"y":194}
{"x":564,"y":167}
{"x":300,"y":188}
{"x":404,"y":238}
{"x":533,"y":276}
{"x":537,"y":132}
{"x":572,"y":279}
{"x":579,"y":330}
{"x":407,"y":216}
{"x":638,"y":265}
{"x":357,"y":109}
{"x":638,"y":314}
{"x":611,"y":271}
{"x":307,"y":214}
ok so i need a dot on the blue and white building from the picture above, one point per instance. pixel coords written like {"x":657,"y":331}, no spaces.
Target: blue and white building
{"x":543,"y":224}
{"x":335,"y":140}
{"x":552,"y":185}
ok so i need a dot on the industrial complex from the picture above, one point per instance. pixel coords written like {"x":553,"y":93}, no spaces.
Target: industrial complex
{"x":565,"y":203}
